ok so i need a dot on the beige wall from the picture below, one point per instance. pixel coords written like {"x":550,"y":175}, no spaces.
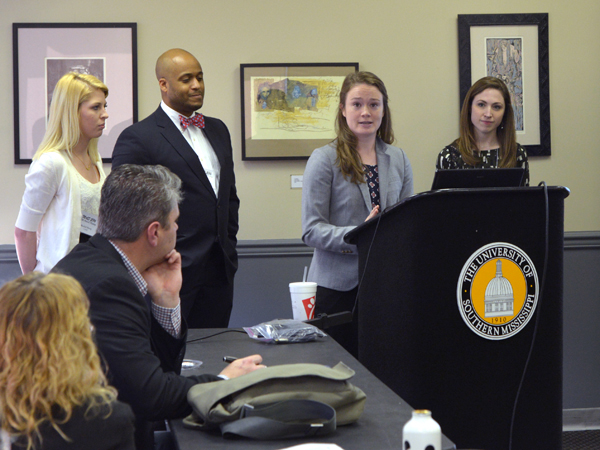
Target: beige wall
{"x":411,"y":45}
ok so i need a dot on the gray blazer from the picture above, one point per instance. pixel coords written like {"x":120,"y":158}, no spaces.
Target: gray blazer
{"x":332,"y":206}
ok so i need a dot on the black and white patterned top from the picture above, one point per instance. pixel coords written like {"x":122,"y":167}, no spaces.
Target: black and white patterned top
{"x":372,"y":179}
{"x":450,"y":158}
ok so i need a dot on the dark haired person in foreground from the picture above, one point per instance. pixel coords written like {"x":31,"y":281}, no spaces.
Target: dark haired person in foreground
{"x":53,"y":392}
{"x":487,"y":131}
{"x":132,"y":275}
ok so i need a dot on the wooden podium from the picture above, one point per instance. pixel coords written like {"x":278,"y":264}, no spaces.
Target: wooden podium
{"x":460,"y":311}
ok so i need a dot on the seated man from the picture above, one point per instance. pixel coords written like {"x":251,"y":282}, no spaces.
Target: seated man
{"x":132,"y":276}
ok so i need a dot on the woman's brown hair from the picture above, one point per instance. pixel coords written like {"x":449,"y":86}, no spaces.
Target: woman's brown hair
{"x":347,"y":155}
{"x":507,"y":136}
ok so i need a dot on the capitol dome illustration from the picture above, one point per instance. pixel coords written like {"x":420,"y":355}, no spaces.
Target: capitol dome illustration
{"x":499,"y":298}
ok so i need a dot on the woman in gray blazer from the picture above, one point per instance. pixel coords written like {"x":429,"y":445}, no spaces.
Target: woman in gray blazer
{"x":345,"y":183}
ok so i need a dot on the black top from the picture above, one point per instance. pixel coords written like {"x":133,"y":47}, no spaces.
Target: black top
{"x":93,"y":431}
{"x":450,"y":158}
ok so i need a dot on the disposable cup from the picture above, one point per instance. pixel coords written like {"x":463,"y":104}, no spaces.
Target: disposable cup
{"x":303,"y":295}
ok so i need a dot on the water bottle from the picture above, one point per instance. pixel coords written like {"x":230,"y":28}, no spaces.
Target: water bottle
{"x":422,"y":432}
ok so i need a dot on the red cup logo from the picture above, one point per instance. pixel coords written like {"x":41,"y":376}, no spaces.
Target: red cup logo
{"x":309,"y":307}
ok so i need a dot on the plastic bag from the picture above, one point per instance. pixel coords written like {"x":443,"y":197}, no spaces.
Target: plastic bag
{"x":281,"y":331}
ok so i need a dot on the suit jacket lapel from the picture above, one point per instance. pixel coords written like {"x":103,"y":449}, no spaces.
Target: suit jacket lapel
{"x":212,"y":137}
{"x":100,"y":242}
{"x":364,"y":190}
{"x":383,"y":167}
{"x":181,"y":146}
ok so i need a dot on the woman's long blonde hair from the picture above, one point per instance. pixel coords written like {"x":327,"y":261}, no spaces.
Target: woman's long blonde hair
{"x":347,"y":156}
{"x":48,"y":360}
{"x":63,"y":131}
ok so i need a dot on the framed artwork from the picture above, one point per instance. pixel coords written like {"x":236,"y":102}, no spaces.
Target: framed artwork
{"x":288,"y":110}
{"x":514,"y":48}
{"x":44,"y":52}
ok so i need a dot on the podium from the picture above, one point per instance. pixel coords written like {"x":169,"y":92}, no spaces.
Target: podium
{"x":460,"y":311}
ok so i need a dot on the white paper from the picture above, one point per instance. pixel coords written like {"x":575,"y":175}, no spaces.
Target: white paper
{"x":314,"y":446}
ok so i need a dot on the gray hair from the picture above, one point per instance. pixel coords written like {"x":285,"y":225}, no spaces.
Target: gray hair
{"x":135,"y":196}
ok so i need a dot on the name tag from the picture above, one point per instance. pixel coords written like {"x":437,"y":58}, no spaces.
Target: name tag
{"x":89,"y":223}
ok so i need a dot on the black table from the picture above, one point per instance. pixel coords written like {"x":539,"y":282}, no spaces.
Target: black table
{"x":379,"y":428}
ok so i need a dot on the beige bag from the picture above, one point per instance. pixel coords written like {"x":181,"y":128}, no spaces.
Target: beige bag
{"x":290,"y":400}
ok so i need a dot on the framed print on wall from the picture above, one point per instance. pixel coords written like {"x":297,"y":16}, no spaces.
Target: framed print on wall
{"x":514,"y":48}
{"x":288,"y":110}
{"x":43,"y":52}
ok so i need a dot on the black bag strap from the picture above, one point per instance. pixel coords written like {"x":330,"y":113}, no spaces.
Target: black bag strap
{"x":284,"y":419}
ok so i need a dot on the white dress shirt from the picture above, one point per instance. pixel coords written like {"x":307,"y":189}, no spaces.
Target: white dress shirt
{"x":199,"y":143}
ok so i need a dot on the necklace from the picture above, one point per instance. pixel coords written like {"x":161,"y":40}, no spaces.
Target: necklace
{"x":86,"y":167}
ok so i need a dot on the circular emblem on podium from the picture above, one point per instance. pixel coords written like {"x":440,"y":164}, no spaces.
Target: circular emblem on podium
{"x":497,"y":291}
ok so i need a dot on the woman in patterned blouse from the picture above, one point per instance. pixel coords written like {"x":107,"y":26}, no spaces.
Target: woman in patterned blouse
{"x":346,"y":182}
{"x":487,"y":132}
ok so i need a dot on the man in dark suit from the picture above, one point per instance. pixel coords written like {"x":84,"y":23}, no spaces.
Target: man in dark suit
{"x":198,"y":150}
{"x":132,"y":276}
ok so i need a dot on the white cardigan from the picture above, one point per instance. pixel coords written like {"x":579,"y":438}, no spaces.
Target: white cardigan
{"x":51,"y":206}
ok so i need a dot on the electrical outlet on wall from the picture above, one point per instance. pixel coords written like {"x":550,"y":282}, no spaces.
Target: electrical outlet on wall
{"x":297,"y":181}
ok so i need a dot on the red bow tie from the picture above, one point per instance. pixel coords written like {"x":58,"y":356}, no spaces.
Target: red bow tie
{"x":197,"y":120}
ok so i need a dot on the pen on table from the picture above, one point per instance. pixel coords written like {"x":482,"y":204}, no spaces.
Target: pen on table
{"x":229,"y":359}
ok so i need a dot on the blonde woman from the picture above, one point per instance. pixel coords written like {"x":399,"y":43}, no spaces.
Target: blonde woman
{"x":62,"y":188}
{"x":53,"y":392}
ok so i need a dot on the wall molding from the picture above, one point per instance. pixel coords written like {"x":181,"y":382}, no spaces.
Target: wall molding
{"x":582,"y":240}
{"x":269,"y":248}
{"x":8,"y":253}
{"x":272,"y":248}
{"x":295,"y":247}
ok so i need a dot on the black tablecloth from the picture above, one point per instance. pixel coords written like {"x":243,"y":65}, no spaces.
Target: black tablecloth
{"x":379,"y":428}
